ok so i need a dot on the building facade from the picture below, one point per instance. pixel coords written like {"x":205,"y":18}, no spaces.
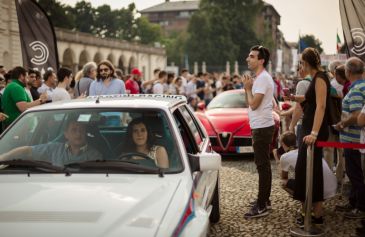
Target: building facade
{"x":171,"y":16}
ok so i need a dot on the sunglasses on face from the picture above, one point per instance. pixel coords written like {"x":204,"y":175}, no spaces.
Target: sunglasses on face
{"x":103,"y":69}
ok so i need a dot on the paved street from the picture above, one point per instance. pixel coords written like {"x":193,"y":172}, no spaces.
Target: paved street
{"x":239,"y":187}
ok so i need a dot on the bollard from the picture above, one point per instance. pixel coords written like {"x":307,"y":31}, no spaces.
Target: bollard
{"x":308,"y":230}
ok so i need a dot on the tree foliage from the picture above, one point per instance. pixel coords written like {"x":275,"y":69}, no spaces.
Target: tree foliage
{"x":102,"y":21}
{"x":312,"y":41}
{"x":223,"y":30}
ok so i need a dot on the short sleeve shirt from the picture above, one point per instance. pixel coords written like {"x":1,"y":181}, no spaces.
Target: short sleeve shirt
{"x":115,"y":87}
{"x":13,"y":93}
{"x":301,"y":89}
{"x":353,"y":101}
{"x":262,"y":117}
{"x":60,"y":94}
{"x":157,"y":88}
{"x":288,"y":162}
{"x":132,"y":86}
{"x":59,"y":154}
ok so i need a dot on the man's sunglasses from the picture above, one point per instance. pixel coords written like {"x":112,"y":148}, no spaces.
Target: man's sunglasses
{"x":103,"y":69}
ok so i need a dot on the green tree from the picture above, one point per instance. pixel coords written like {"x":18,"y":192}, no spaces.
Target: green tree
{"x":148,"y":32}
{"x":84,"y":16}
{"x":222,"y":30}
{"x":312,"y":41}
{"x":60,"y":14}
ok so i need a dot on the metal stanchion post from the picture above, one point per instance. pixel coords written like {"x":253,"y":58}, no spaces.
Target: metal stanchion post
{"x":308,"y":230}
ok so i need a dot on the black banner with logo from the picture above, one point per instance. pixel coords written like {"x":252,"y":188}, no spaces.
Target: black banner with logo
{"x":353,"y":24}
{"x":37,"y":37}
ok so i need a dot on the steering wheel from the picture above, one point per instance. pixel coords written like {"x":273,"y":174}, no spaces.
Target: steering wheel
{"x":142,"y":159}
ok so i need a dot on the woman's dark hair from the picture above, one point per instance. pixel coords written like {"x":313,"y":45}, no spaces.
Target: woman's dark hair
{"x":312,"y":57}
{"x":130,"y":146}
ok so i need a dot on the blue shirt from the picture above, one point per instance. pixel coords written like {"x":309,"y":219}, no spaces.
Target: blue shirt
{"x":353,"y":101}
{"x":59,"y":154}
{"x":115,"y":87}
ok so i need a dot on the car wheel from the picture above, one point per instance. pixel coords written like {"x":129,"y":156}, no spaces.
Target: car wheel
{"x":215,"y":214}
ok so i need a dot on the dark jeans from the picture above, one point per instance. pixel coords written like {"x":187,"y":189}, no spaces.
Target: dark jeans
{"x":262,"y":139}
{"x":356,"y":177}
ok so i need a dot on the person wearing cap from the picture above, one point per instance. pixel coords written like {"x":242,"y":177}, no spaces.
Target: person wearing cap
{"x":132,"y":83}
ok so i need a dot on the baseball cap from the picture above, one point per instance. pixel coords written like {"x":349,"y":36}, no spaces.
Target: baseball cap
{"x":135,"y":71}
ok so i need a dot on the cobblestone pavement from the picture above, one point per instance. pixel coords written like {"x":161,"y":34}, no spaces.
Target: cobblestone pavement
{"x":239,"y":182}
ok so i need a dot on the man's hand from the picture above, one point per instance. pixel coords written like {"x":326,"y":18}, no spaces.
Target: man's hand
{"x":339,"y":126}
{"x":247,"y":82}
{"x":43,"y":97}
{"x":3,"y":117}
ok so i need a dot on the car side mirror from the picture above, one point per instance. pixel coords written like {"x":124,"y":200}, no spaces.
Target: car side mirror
{"x":205,"y":161}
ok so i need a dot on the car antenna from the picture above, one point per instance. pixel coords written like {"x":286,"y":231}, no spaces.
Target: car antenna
{"x":97,"y":100}
{"x":160,"y":172}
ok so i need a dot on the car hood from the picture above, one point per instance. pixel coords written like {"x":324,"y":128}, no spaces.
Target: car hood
{"x":228,"y":119}
{"x":84,"y":205}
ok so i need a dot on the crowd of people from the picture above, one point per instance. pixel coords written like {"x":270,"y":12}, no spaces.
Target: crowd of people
{"x":325,"y":105}
{"x":21,"y":89}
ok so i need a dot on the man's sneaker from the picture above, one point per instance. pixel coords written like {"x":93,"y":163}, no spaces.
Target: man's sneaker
{"x":268,"y":204}
{"x":256,"y":212}
{"x":355,"y":214}
{"x":315,"y":221}
{"x":344,"y":208}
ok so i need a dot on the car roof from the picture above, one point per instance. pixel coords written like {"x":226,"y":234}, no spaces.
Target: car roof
{"x":117,"y":101}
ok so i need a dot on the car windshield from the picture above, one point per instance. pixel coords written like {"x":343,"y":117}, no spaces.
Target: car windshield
{"x":91,"y":140}
{"x":228,"y":100}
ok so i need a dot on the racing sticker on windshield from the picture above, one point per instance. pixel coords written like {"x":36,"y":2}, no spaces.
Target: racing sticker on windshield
{"x":84,"y":118}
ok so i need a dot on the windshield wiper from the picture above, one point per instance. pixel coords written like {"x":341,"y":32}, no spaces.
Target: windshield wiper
{"x":39,"y":165}
{"x":128,"y":166}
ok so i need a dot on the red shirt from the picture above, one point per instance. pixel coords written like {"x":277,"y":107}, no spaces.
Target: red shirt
{"x":132,"y":86}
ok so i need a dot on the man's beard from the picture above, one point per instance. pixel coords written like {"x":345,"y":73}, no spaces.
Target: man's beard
{"x":104,"y":77}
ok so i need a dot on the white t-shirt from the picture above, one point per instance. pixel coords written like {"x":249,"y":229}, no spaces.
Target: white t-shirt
{"x":288,"y":161}
{"x":157,"y":88}
{"x":262,"y":116}
{"x":46,"y":89}
{"x":337,"y":86}
{"x":59,"y":94}
{"x":190,"y":90}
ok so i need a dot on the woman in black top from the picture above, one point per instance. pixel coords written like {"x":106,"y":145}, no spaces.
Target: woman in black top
{"x":314,"y":127}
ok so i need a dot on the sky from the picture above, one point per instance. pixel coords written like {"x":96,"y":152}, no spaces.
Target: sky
{"x":318,"y":17}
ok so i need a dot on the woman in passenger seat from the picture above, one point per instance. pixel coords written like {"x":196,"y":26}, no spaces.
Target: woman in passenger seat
{"x":140,"y":139}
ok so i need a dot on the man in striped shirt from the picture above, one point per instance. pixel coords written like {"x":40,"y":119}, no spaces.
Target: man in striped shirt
{"x":350,"y":133}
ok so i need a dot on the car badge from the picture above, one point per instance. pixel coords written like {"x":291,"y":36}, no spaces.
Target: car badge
{"x":224,"y":134}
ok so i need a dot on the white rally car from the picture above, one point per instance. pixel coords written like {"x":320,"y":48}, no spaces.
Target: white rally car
{"x":78,"y":168}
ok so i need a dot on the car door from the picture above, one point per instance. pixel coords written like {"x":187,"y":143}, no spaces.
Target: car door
{"x":196,"y":142}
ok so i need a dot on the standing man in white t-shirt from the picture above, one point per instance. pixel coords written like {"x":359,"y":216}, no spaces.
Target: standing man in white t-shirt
{"x":259,"y":95}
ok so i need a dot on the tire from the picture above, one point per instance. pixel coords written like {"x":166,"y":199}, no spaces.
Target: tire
{"x":215,"y":214}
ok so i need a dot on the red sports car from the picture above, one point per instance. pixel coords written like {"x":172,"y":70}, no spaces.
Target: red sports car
{"x":226,"y":121}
